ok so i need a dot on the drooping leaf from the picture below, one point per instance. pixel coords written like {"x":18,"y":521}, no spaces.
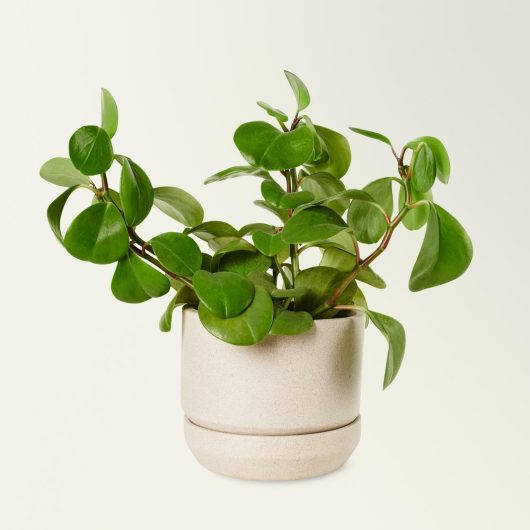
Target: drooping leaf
{"x":55,"y":211}
{"x":443,"y":165}
{"x":324,"y":185}
{"x":238,"y":171}
{"x":98,"y":234}
{"x":268,"y":244}
{"x":136,"y":193}
{"x":445,"y":254}
{"x":291,"y":323}
{"x":248,"y":328}
{"x":339,"y":153}
{"x":225,"y":294}
{"x":415,"y":217}
{"x":109,"y":113}
{"x":177,"y":252}
{"x":179,"y":205}
{"x":371,"y":134}
{"x":394,"y":333}
{"x":381,"y":191}
{"x":185,"y":295}
{"x":90,"y":150}
{"x":135,"y":281}
{"x":300,"y":91}
{"x":271,"y":111}
{"x":62,"y":172}
{"x":423,"y":168}
{"x":312,"y":224}
{"x":289,"y":150}
{"x":212,"y":229}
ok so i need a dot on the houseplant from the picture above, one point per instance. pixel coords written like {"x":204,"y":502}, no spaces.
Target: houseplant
{"x":278,"y":395}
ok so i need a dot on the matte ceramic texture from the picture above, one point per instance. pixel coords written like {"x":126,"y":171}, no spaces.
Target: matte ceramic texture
{"x":289,"y":402}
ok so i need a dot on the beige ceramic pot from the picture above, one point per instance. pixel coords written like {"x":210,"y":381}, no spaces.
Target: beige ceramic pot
{"x":286,"y":408}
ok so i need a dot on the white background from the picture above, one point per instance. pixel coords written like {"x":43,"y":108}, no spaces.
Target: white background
{"x":91,"y":433}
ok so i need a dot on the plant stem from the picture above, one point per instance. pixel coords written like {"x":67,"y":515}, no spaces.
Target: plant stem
{"x":104,"y":182}
{"x":285,"y":278}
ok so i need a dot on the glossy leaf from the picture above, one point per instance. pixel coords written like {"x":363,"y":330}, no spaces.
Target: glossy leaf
{"x":177,"y":252}
{"x":225,"y":294}
{"x":244,"y":262}
{"x":295,"y":199}
{"x":268,"y":244}
{"x":212,"y":229}
{"x":394,"y":333}
{"x":371,"y":134}
{"x":185,"y":295}
{"x":271,"y":111}
{"x":136,"y":193}
{"x":418,"y":216}
{"x":320,"y":153}
{"x":339,"y":153}
{"x":253,"y":139}
{"x":231,"y":245}
{"x":272,"y":192}
{"x":443,"y":165}
{"x":109,"y":113}
{"x":289,"y":150}
{"x":291,"y":323}
{"x":299,"y":89}
{"x":179,"y":205}
{"x":98,"y":234}
{"x":62,"y":172}
{"x":445,"y":254}
{"x":135,"y":281}
{"x":366,"y":220}
{"x":312,"y":224}
{"x":381,"y":191}
{"x":90,"y":150}
{"x":423,"y":168}
{"x":55,"y":211}
{"x":323,"y":186}
{"x":238,"y":171}
{"x":248,"y":328}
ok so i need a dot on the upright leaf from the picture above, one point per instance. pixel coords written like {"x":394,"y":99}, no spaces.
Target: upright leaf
{"x":109,"y":113}
{"x":300,"y":91}
{"x":289,"y":150}
{"x":253,"y":138}
{"x":312,"y":224}
{"x":90,"y":150}
{"x":339,"y":153}
{"x":178,"y":253}
{"x":423,"y":168}
{"x":271,"y":111}
{"x":445,"y":254}
{"x":179,"y":205}
{"x":136,"y":193}
{"x":62,"y":172}
{"x":443,"y":165}
{"x":98,"y":234}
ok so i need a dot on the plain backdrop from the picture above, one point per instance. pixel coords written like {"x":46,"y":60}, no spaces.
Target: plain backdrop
{"x":90,"y":422}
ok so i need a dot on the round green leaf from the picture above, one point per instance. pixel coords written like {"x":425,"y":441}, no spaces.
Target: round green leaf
{"x":90,"y":150}
{"x":339,"y":153}
{"x":179,"y":205}
{"x":177,"y":252}
{"x":135,"y":281}
{"x":312,"y":224}
{"x":225,"y":294}
{"x":423,"y":168}
{"x":98,"y":234}
{"x":244,"y":262}
{"x":415,"y":217}
{"x":248,"y":328}
{"x":109,"y":113}
{"x":445,"y":254}
{"x":136,"y":193}
{"x":253,"y":138}
{"x":291,"y":323}
{"x":300,"y":91}
{"x":271,"y":111}
{"x":62,"y":172}
{"x":366,"y":220}
{"x":289,"y":150}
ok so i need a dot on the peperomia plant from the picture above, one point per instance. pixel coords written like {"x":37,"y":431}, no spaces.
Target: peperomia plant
{"x":251,"y":284}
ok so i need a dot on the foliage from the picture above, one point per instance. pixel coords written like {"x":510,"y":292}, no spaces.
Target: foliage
{"x":249,"y":283}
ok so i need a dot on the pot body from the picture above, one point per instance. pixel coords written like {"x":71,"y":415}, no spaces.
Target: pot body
{"x":290,"y":389}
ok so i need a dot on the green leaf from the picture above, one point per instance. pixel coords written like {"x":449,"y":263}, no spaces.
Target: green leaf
{"x":212,"y":229}
{"x":113,"y":195}
{"x":415,"y":217}
{"x":109,"y":113}
{"x":381,"y":191}
{"x":184,"y":295}
{"x":319,"y":283}
{"x":136,"y":193}
{"x":262,"y":279}
{"x":179,"y":205}
{"x":244,"y":262}
{"x":253,"y":138}
{"x":289,"y":150}
{"x":282,"y":214}
{"x":320,"y":153}
{"x":366,"y":219}
{"x":343,"y":241}
{"x":238,"y":171}
{"x":135,"y":281}
{"x":374,"y":135}
{"x":295,"y":199}
{"x":177,"y":252}
{"x":271,"y":111}
{"x":312,"y":224}
{"x":248,"y":328}
{"x":291,"y":323}
{"x":339,"y":153}
{"x":225,"y":294}
{"x":227,"y":245}
{"x":395,"y":335}
{"x":445,"y":254}
{"x":268,"y":244}
{"x":359,"y":300}
{"x":443,"y":165}
{"x":55,"y":211}
{"x":252,"y":228}
{"x":323,"y":186}
{"x":423,"y":168}
{"x":62,"y":172}
{"x":300,"y":91}
{"x":274,"y":194}
{"x":295,"y":292}
{"x":90,"y":150}
{"x":98,"y":234}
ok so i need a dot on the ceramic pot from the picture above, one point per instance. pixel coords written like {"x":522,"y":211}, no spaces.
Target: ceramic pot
{"x":286,"y":408}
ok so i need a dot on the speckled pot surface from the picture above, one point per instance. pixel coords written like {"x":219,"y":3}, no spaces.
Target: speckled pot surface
{"x":283,"y":409}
